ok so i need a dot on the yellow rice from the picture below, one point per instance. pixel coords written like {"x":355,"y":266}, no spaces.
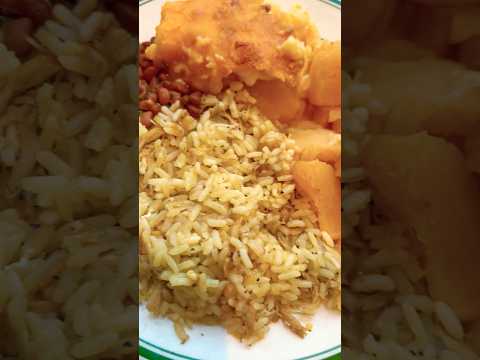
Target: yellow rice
{"x":224,"y":236}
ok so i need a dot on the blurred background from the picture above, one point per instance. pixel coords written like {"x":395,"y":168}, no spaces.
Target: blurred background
{"x":410,"y":179}
{"x":68,"y":179}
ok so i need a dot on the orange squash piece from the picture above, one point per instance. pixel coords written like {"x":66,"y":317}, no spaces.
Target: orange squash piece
{"x":338,"y":168}
{"x":317,"y":143}
{"x":325,"y":75}
{"x":317,"y":181}
{"x":277,"y":101}
{"x":325,"y":115}
{"x":306,"y":124}
{"x":337,"y":126}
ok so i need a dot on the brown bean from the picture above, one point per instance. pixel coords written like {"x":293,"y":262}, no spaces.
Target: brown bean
{"x":195,"y":98}
{"x":180,"y":86}
{"x":143,"y":61}
{"x":144,"y":45}
{"x":149,"y":73}
{"x":152,"y":95}
{"x":163,"y":77}
{"x":155,"y":83}
{"x":142,"y":89}
{"x":157,"y":90}
{"x":184,"y":100}
{"x":177,"y":85}
{"x":167,"y":84}
{"x":175,"y":96}
{"x":146,"y":119}
{"x":16,"y":33}
{"x":146,"y":105}
{"x":163,"y":96}
{"x":194,"y":110}
{"x":157,"y":108}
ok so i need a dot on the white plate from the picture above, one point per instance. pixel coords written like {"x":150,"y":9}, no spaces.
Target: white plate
{"x":157,"y":337}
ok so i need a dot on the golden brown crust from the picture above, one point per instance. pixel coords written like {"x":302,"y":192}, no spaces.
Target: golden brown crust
{"x":240,"y":37}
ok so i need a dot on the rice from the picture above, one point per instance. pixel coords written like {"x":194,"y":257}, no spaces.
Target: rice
{"x":68,"y":147}
{"x":449,"y":320}
{"x":224,"y":236}
{"x":387,"y":310}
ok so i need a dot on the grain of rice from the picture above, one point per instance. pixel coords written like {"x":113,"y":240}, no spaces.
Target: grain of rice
{"x":65,"y":16}
{"x":327,"y":239}
{"x":54,"y":164}
{"x":92,"y":24}
{"x":414,"y":322}
{"x":85,"y":7}
{"x":449,"y":320}
{"x":245,"y":258}
{"x":420,"y":302}
{"x":216,"y":223}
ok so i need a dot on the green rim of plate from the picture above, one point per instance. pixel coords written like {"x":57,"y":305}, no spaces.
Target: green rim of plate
{"x":149,"y":354}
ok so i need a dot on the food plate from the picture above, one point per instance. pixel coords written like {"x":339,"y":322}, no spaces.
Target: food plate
{"x":157,"y":337}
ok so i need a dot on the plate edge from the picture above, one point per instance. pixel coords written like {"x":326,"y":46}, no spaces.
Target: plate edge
{"x":333,"y":353}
